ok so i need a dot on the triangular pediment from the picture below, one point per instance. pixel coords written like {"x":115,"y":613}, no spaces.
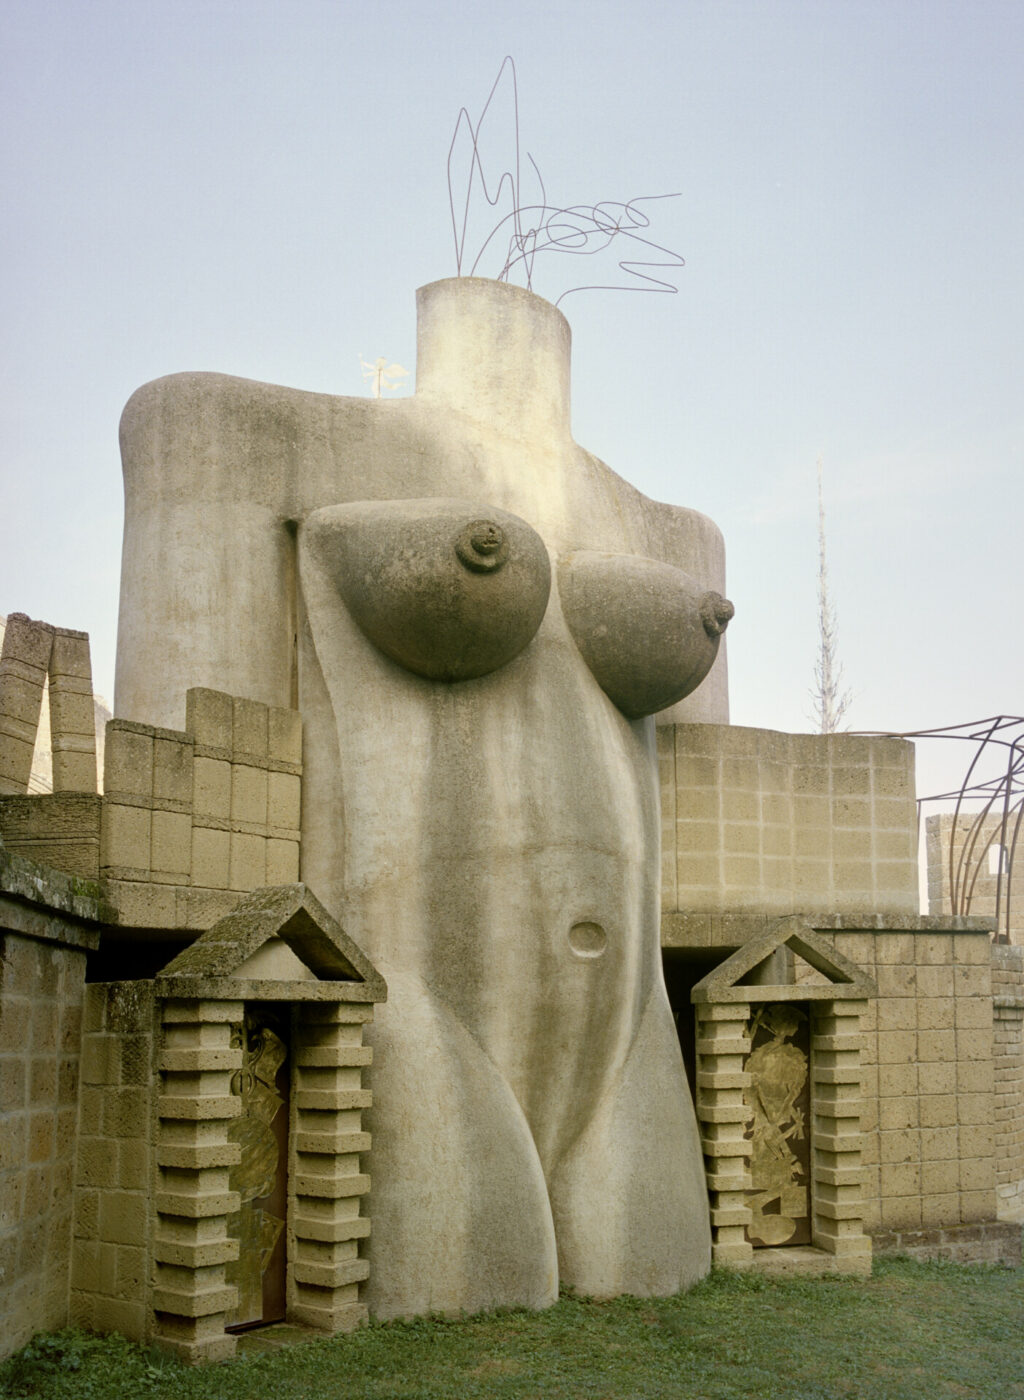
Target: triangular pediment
{"x":276,"y":943}
{"x":843,"y":980}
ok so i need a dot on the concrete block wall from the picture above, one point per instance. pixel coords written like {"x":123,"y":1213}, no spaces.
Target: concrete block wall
{"x":40,"y":1035}
{"x":928,"y":1078}
{"x":1008,"y":1059}
{"x":110,"y":1261}
{"x":194,"y":819}
{"x":762,"y":821}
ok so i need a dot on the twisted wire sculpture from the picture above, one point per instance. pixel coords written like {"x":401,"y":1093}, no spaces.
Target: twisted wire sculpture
{"x":528,"y":229}
{"x":997,"y":825}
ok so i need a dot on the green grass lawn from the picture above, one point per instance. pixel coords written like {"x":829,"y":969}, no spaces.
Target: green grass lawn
{"x":928,"y":1330}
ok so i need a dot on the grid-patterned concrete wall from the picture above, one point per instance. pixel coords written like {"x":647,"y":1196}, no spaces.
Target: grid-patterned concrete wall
{"x":928,"y":1078}
{"x":110,"y":1264}
{"x":192,"y":820}
{"x":1008,"y":1057}
{"x":768,"y":822}
{"x":964,"y":876}
{"x":40,"y":1037}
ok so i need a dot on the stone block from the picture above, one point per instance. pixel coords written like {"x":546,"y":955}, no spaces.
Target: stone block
{"x":900,"y":1212}
{"x":939,"y":1144}
{"x":698,"y":804}
{"x":125,"y":835}
{"x":74,"y":765}
{"x":284,"y":797}
{"x":128,"y":759}
{"x":171,"y":845}
{"x":172,"y":770}
{"x":938,"y":1110}
{"x":208,"y":718}
{"x":247,"y":862}
{"x":899,"y":1145}
{"x":975,"y":1014}
{"x":211,"y":788}
{"x":123,"y":1217}
{"x":897,"y":1047}
{"x":940,"y":1178}
{"x":284,"y":735}
{"x":282,"y":862}
{"x":249,"y":728}
{"x":975,"y":1109}
{"x":973,"y":980}
{"x":939,"y":1046}
{"x":211,"y":851}
{"x":249,"y":794}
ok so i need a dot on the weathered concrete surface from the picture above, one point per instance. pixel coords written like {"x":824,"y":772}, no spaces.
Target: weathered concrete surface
{"x":492,"y":842}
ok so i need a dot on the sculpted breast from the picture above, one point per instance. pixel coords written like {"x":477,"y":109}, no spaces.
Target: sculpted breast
{"x":449,"y":589}
{"x":648,"y":632}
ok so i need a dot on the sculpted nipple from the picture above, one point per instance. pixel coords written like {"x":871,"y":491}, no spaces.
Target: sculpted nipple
{"x":482,"y":546}
{"x":716,"y":613}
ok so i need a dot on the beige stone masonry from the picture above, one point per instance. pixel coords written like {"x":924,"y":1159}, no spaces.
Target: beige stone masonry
{"x":1008,"y":1063}
{"x":58,"y":829}
{"x":928,"y":1075}
{"x":46,"y":926}
{"x":193,"y":819}
{"x":768,"y":822}
{"x":34,"y":652}
{"x":111,"y":1257}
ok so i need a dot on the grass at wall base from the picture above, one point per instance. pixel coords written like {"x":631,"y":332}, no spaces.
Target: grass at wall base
{"x":911,"y":1330}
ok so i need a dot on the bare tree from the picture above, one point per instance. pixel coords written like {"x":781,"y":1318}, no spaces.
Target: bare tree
{"x":830,"y":696}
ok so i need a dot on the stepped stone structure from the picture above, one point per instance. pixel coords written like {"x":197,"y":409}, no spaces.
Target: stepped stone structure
{"x":435,"y":938}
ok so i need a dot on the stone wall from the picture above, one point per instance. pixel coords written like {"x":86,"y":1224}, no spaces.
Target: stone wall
{"x":42,"y":971}
{"x":110,"y":1261}
{"x":761,"y":821}
{"x":929,"y":1079}
{"x":192,"y":820}
{"x":1008,"y":1057}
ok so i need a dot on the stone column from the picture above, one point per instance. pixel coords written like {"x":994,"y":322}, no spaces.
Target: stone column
{"x":837,"y":1191}
{"x":191,"y":1299}
{"x":722,"y":1049}
{"x":72,"y":713}
{"x":24,"y":662}
{"x":325,"y":1184}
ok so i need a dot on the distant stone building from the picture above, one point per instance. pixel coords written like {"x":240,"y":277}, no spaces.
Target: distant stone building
{"x":971,"y":871}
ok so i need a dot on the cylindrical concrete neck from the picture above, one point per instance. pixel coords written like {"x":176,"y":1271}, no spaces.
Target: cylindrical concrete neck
{"x":496,"y":352}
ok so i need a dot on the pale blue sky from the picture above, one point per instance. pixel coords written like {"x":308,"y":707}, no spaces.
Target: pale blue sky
{"x":258,"y":187}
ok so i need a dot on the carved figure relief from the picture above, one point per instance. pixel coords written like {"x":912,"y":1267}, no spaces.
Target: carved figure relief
{"x":778,"y":1101}
{"x":260,"y":1175}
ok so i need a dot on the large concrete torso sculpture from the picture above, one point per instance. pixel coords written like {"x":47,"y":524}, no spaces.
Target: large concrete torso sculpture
{"x":475,"y":616}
